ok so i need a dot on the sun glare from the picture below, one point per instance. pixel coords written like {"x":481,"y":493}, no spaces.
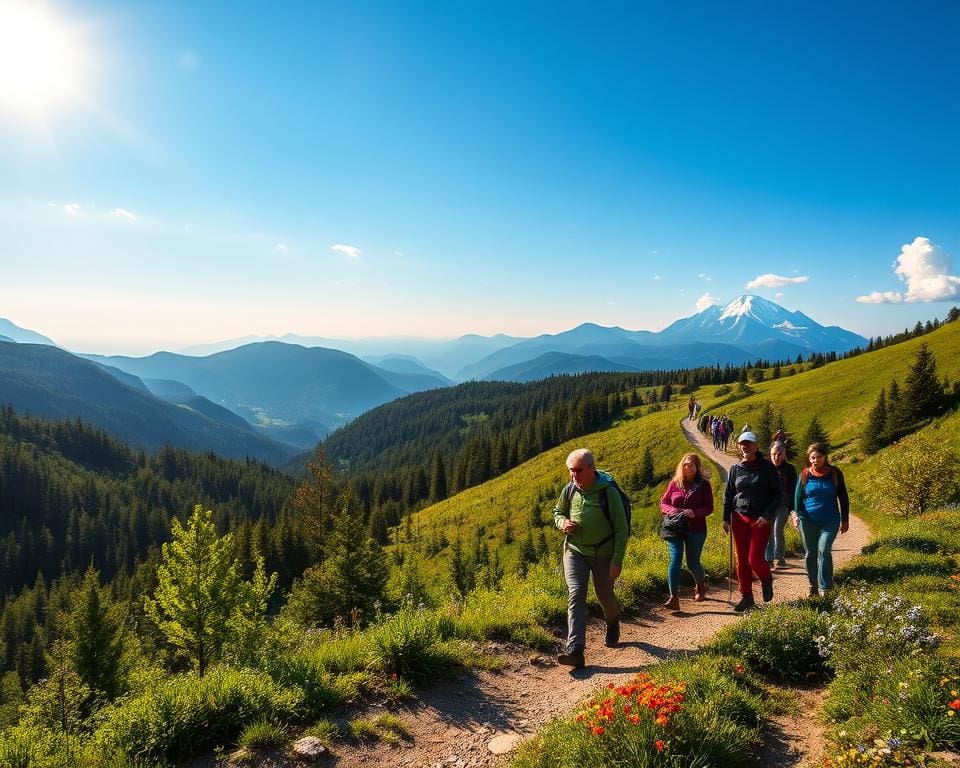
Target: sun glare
{"x":41,"y":60}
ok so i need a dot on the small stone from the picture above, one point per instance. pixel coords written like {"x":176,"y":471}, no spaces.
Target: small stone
{"x":503,"y":743}
{"x":307,"y":748}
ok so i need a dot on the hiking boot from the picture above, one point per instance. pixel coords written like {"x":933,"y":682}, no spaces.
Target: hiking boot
{"x":673,"y":604}
{"x":746,"y":601}
{"x":572,"y":658}
{"x":766,"y":585}
{"x":814,"y":591}
{"x":613,"y":633}
{"x":823,"y":592}
{"x":700,"y":591}
{"x":781,"y":563}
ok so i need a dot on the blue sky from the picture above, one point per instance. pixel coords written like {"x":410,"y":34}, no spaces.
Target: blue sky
{"x":215,"y":170}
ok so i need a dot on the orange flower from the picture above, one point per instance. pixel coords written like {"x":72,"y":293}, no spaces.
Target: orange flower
{"x":955,"y":704}
{"x":659,"y":745}
{"x":598,"y":730}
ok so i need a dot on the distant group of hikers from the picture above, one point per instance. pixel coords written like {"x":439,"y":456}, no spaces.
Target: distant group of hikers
{"x":759,"y":496}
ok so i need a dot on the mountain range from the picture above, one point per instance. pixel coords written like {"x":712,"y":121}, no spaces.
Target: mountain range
{"x":270,"y":398}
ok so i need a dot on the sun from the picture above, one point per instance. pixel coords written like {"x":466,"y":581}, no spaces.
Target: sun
{"x":42,"y":61}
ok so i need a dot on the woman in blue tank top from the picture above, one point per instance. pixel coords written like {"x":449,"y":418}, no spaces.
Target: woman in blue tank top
{"x":822,"y":510}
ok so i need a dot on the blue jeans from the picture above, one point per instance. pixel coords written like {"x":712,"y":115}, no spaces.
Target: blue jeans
{"x":775,"y":549}
{"x":818,"y":542}
{"x":692,"y":543}
{"x":576,"y":570}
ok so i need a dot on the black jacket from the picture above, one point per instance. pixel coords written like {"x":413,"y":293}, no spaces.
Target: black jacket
{"x":788,"y":481}
{"x":753,"y":491}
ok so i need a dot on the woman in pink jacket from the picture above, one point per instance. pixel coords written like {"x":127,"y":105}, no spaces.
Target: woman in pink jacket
{"x":689,"y":496}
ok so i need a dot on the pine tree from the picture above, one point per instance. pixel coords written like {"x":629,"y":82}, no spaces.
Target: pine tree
{"x":923,"y":395}
{"x":816,"y":434}
{"x":198,"y":589}
{"x":312,"y":502}
{"x":646,"y":476}
{"x":97,"y":638}
{"x":349,"y":582}
{"x":872,"y":439}
{"x":765,"y":427}
{"x":461,"y":574}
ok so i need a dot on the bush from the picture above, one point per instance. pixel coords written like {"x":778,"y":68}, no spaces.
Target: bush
{"x":411,"y":644}
{"x":914,"y":700}
{"x":779,"y":642}
{"x":916,"y":475}
{"x":187,"y":714}
{"x":688,"y":715}
{"x":263,"y":734}
{"x":869,"y":628}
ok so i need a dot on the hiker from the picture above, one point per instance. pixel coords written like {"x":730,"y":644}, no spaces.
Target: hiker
{"x":788,"y":482}
{"x":691,"y":405}
{"x":822,"y":508}
{"x":750,"y":500}
{"x":595,"y":542}
{"x":688,"y":494}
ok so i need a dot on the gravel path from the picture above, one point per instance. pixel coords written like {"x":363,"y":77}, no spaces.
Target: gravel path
{"x":465,"y":722}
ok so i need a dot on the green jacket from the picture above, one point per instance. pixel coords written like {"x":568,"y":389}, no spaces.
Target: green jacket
{"x":593,"y":527}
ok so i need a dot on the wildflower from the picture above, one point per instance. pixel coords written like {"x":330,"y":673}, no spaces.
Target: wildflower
{"x":955,"y":704}
{"x":597,"y":730}
{"x":659,"y":744}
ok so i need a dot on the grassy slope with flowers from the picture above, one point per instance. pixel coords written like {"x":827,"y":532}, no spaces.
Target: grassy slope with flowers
{"x":887,"y":644}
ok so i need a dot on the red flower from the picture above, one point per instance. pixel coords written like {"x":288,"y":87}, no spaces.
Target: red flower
{"x":955,"y":704}
{"x":598,"y":730}
{"x":659,"y":745}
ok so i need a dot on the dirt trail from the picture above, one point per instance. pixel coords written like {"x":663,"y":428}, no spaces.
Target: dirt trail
{"x":458,"y":723}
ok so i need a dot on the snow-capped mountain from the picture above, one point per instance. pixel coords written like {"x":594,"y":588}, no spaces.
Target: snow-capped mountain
{"x":762,"y":326}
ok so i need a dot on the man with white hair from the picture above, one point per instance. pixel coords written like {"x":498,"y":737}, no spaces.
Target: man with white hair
{"x":591,"y":514}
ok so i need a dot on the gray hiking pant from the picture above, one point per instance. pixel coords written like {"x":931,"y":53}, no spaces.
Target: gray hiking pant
{"x":576,"y":570}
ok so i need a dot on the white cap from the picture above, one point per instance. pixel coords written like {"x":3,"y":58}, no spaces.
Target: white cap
{"x":746,"y":437}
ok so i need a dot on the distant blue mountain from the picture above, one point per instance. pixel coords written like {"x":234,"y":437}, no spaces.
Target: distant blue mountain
{"x":50,"y":382}
{"x":748,"y":328}
{"x":22,"y":335}
{"x":279,"y":384}
{"x":760,"y":325}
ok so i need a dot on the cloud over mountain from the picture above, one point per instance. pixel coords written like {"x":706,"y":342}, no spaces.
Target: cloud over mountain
{"x":925,"y":269}
{"x":771,"y":280}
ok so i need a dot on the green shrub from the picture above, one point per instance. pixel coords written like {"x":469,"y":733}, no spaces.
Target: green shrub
{"x":392,"y":728}
{"x":868,"y":628}
{"x":322,"y":691}
{"x":410,"y":644}
{"x":363,"y":729}
{"x":909,"y":699}
{"x":692,"y":715}
{"x":263,"y":734}
{"x":779,"y":642}
{"x":187,"y":714}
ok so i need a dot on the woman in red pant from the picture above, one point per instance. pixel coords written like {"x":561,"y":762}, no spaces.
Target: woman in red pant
{"x":750,"y":500}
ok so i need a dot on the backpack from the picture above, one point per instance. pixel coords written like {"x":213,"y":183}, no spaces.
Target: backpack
{"x":604,"y":505}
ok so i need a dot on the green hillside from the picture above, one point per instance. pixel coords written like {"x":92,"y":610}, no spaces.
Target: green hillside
{"x":840,"y":393}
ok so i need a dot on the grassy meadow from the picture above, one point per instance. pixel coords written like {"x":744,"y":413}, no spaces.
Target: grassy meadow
{"x":885,"y":647}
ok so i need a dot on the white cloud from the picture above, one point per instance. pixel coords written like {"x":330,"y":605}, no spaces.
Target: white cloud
{"x":72,"y":209}
{"x":878,"y":297}
{"x":706,"y":300}
{"x":771,"y":280}
{"x":281,"y":247}
{"x":657,"y":277}
{"x":351,"y":251}
{"x":705,"y":276}
{"x":778,"y":295}
{"x":120,"y":213}
{"x":925,"y":268}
